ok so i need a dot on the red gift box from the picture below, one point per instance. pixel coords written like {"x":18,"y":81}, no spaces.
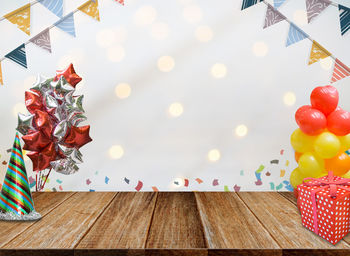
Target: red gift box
{"x":324,"y":206}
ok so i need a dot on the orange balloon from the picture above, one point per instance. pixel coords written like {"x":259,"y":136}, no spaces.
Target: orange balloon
{"x":340,"y":164}
{"x":297,"y":155}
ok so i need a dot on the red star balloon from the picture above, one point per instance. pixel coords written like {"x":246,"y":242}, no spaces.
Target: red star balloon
{"x":43,"y":122}
{"x":41,"y":160}
{"x":78,"y":136}
{"x":33,"y":100}
{"x":35,"y":141}
{"x":69,"y":74}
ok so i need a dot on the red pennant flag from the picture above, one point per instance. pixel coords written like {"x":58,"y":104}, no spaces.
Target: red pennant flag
{"x":340,"y":71}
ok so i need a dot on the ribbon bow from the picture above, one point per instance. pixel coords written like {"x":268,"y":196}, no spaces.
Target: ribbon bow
{"x":333,"y":187}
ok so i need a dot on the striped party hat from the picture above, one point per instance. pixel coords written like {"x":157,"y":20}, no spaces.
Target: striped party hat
{"x":16,"y":201}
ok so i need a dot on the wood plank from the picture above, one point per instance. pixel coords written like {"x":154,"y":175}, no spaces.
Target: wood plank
{"x":125,"y":222}
{"x":43,"y":202}
{"x":290,"y":196}
{"x":66,"y":225}
{"x":282,"y":219}
{"x":176,"y":223}
{"x":228,"y":223}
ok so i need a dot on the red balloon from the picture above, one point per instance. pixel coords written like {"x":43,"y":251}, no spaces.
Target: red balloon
{"x":338,"y":122}
{"x":311,"y":121}
{"x":41,"y":160}
{"x":43,"y":122}
{"x":78,"y":136}
{"x":35,"y":141}
{"x":325,"y":99}
{"x":69,"y":74}
{"x":33,"y":100}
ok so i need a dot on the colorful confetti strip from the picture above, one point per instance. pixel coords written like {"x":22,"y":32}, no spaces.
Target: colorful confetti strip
{"x":215,"y":182}
{"x":59,"y":181}
{"x":155,"y":189}
{"x":241,"y":173}
{"x":260,"y":169}
{"x":282,"y":173}
{"x":199,"y":180}
{"x":268,"y":174}
{"x":92,"y":190}
{"x":88,"y":182}
{"x":275,"y":161}
{"x":279,"y":186}
{"x":258,"y":177}
{"x":186,"y":183}
{"x":287,"y":185}
{"x":106,"y":180}
{"x":272,"y":186}
{"x":237,"y":188}
{"x":226,"y":188}
{"x":126,"y":180}
{"x":282,"y":151}
{"x":139,"y":185}
{"x":287,"y":162}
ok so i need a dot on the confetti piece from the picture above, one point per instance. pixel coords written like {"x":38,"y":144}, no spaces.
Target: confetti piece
{"x":260,"y":169}
{"x":31,"y":182}
{"x":54,"y":189}
{"x":4,"y":162}
{"x":106,"y":180}
{"x":215,"y":182}
{"x":287,"y":162}
{"x":199,"y":180}
{"x":258,"y":182}
{"x":279,"y":186}
{"x":155,"y":189}
{"x":226,"y":188}
{"x":186,"y":183}
{"x":282,"y":173}
{"x":242,"y":173}
{"x":59,"y":181}
{"x":288,"y":186}
{"x":92,"y":190}
{"x":267,"y":173}
{"x":258,"y":175}
{"x":139,"y":186}
{"x":275,"y":161}
{"x":47,"y":180}
{"x":272,"y":186}
{"x":96,"y":172}
{"x":126,"y":180}
{"x":282,"y":151}
{"x":88,"y":182}
{"x":237,"y":188}
{"x":60,"y":187}
{"x":176,"y":183}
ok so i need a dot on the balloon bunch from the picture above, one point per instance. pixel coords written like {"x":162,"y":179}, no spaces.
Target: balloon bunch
{"x":322,"y":138}
{"x":51,"y":132}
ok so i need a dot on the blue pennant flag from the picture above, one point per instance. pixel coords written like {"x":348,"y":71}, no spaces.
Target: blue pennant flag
{"x":344,"y":15}
{"x":67,"y":24}
{"x":55,"y":6}
{"x":295,"y":35}
{"x":18,"y":55}
{"x":278,"y":3}
{"x":248,"y":3}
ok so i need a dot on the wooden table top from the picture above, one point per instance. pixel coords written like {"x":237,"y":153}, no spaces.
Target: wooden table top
{"x":165,"y":223}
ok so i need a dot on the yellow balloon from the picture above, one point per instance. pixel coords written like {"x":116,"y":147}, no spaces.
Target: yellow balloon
{"x":345,"y":142}
{"x":301,"y":142}
{"x":322,"y":175}
{"x":347,"y":175}
{"x":296,"y":178}
{"x":310,"y":165}
{"x":327,"y":145}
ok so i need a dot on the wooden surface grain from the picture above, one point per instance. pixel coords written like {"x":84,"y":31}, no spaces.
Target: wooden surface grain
{"x":165,"y":223}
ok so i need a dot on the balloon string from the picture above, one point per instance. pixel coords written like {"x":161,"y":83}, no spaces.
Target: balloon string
{"x":46,"y":179}
{"x":36,"y":182}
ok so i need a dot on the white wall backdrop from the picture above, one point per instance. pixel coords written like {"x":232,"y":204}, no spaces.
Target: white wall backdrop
{"x":217,"y":108}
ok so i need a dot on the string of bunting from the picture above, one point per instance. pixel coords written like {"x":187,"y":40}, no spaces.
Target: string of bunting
{"x":21,"y":17}
{"x":296,"y":34}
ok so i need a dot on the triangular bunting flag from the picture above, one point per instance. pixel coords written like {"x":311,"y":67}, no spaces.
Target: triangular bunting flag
{"x":42,"y":40}
{"x":344,"y":15}
{"x":16,"y":201}
{"x":20,"y":17}
{"x":295,"y":35}
{"x":315,"y":7}
{"x":318,"y":52}
{"x":248,"y":3}
{"x":340,"y":71}
{"x":278,"y":3}
{"x":67,"y":24}
{"x":91,"y":9}
{"x":1,"y":81}
{"x":55,"y":6}
{"x":18,"y":55}
{"x":273,"y":16}
{"x":119,"y":1}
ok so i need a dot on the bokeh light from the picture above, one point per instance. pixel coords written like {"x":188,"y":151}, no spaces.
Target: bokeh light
{"x":145,"y":15}
{"x":116,"y":53}
{"x":159,"y":30}
{"x":166,"y":63}
{"x":19,"y":108}
{"x":218,"y":70}
{"x":122,"y":90}
{"x":260,"y":49}
{"x":176,"y":109}
{"x":105,"y":38}
{"x":204,"y":33}
{"x":120,"y":34}
{"x":289,"y":98}
{"x":214,"y":155}
{"x":116,"y":152}
{"x":241,"y":130}
{"x":192,"y":14}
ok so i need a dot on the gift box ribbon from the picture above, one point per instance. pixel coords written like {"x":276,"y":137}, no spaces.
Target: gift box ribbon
{"x":329,"y":183}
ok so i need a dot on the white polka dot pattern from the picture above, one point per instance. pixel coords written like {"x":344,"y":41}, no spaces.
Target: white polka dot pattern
{"x":332,"y":213}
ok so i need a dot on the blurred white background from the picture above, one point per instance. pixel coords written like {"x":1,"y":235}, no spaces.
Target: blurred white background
{"x":177,"y":90}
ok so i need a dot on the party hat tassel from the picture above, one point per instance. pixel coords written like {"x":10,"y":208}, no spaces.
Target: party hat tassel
{"x":16,"y":201}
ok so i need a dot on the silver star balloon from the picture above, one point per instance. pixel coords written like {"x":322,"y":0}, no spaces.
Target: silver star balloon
{"x":60,"y":130}
{"x":42,"y":83}
{"x":62,"y":86}
{"x":25,"y":123}
{"x":65,"y":166}
{"x":76,"y":118}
